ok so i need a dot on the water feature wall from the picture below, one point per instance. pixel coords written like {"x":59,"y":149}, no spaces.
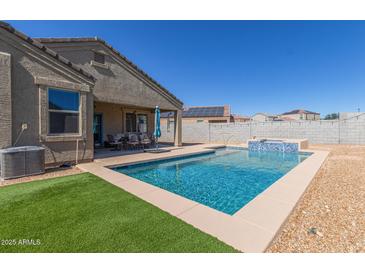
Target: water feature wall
{"x":273,"y":145}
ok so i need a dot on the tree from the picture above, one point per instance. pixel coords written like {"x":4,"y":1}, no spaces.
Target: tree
{"x":331,"y":116}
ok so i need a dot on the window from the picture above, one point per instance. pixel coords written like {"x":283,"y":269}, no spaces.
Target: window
{"x":131,"y":122}
{"x":99,"y":57}
{"x":142,"y":123}
{"x":64,"y":113}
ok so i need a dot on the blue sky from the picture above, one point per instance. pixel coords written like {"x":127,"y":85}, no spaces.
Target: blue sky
{"x":254,"y":66}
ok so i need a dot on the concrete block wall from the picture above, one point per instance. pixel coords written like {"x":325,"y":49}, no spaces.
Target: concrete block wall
{"x":191,"y":133}
{"x":352,"y":130}
{"x":314,"y":131}
{"x":347,"y":131}
{"x":229,"y":133}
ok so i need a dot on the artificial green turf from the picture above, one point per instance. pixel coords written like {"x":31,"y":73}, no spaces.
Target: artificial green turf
{"x":83,"y":213}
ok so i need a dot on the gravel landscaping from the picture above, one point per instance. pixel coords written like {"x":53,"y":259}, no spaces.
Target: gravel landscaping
{"x":331,"y":214}
{"x":50,"y":173}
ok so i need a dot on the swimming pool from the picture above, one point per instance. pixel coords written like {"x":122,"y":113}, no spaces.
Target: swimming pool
{"x":225,"y":179}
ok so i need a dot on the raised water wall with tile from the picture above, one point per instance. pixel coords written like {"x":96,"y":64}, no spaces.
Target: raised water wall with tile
{"x":268,"y":145}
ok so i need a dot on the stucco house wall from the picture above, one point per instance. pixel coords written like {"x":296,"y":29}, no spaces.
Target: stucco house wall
{"x":31,"y":72}
{"x":117,"y":81}
{"x":29,"y":68}
{"x":293,"y":116}
{"x":314,"y":117}
{"x":259,"y":117}
{"x":302,"y":116}
{"x":5,"y":100}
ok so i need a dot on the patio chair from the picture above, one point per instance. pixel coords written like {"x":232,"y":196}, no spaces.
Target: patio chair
{"x":113,"y":142}
{"x":145,"y":140}
{"x":133,"y":141}
{"x":118,"y":137}
{"x":124,"y":141}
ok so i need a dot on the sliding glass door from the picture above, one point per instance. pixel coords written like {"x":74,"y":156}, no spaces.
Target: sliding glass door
{"x":98,"y":129}
{"x":136,"y":122}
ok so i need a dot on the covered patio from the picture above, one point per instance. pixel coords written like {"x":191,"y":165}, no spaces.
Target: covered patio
{"x":120,"y":129}
{"x":103,"y":153}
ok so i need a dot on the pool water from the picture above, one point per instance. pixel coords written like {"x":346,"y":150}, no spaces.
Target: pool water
{"x":226,"y":179}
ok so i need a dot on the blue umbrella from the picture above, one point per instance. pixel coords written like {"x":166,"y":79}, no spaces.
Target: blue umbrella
{"x":157,"y":132}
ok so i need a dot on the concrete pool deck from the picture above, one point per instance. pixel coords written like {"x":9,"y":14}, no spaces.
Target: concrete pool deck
{"x":251,"y":229}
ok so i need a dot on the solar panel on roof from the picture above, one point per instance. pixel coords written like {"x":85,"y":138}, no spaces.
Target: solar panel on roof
{"x":204,"y":112}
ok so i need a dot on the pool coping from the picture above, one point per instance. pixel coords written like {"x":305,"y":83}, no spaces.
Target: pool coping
{"x":250,"y":229}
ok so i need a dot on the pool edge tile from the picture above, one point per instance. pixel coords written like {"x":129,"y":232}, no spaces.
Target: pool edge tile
{"x":169,"y":202}
{"x":125,"y":182}
{"x":266,"y":212}
{"x":240,"y":234}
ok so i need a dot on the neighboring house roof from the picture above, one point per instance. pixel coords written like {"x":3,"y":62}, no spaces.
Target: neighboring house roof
{"x":209,"y":111}
{"x":46,"y":50}
{"x":265,"y":114}
{"x":97,"y":39}
{"x":300,"y":111}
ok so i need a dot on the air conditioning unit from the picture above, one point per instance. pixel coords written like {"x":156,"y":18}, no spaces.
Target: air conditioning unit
{"x":21,"y":161}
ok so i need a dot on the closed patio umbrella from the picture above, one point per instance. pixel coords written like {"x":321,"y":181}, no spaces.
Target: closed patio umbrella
{"x":157,"y":132}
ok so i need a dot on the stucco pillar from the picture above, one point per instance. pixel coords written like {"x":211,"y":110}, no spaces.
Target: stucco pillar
{"x":178,"y":128}
{"x":5,"y":100}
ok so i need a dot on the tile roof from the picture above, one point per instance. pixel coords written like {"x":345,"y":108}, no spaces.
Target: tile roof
{"x":299,"y":111}
{"x":265,"y":114}
{"x":45,"y":49}
{"x":97,"y":39}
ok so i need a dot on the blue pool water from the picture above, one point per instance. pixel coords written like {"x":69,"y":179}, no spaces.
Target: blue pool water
{"x":225,"y":180}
